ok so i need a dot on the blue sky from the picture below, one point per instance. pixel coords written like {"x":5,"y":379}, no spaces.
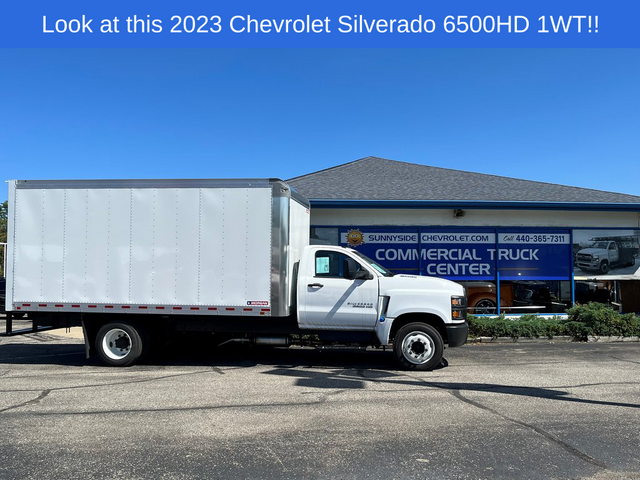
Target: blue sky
{"x":562,"y":116}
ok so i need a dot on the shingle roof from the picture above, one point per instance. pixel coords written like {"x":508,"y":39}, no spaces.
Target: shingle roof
{"x":373,"y":178}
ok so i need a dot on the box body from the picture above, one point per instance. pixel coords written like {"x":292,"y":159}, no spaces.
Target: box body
{"x":214,"y":247}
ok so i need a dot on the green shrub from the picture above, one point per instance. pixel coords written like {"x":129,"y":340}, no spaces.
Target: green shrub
{"x":601,"y":319}
{"x":583,"y":321}
{"x":578,"y":330}
{"x":527,"y":326}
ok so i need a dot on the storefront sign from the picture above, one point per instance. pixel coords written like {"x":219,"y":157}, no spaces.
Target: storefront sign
{"x":389,"y":246}
{"x":460,"y":255}
{"x":534,"y":255}
{"x":466,"y":254}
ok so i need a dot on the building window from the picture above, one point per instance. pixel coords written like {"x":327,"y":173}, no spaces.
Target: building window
{"x":325,"y":236}
{"x":535,"y":296}
{"x":605,"y":252}
{"x":482,"y":297}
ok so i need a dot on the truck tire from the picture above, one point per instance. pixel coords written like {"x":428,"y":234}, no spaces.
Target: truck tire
{"x":484,"y":306}
{"x":604,"y":267}
{"x":418,"y":346}
{"x":631,"y":262}
{"x":119,"y":344}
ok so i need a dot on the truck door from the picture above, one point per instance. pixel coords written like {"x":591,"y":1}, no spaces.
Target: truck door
{"x":614,"y":254}
{"x":329,"y":297}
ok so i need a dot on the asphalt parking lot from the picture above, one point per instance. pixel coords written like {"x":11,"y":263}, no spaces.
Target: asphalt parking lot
{"x":536,"y":411}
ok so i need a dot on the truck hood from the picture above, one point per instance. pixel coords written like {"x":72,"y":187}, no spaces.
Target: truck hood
{"x":593,"y":251}
{"x":418,"y":283}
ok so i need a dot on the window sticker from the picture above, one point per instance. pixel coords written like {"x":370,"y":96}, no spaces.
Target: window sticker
{"x":322,"y":265}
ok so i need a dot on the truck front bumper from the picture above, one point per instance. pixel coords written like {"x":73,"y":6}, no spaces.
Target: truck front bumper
{"x":588,"y":266}
{"x":457,"y":334}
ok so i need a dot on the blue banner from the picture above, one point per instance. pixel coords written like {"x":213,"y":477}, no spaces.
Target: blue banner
{"x":466,"y":253}
{"x":458,"y":254}
{"x":534,"y":254}
{"x":395,"y":248}
{"x":327,"y":24}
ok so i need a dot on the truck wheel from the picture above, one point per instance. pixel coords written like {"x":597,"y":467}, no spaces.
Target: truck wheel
{"x":631,"y":262}
{"x":484,"y":306}
{"x":119,"y":344}
{"x":604,"y":267}
{"x":418,"y":346}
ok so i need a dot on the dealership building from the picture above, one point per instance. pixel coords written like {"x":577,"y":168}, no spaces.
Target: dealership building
{"x":518,"y":246}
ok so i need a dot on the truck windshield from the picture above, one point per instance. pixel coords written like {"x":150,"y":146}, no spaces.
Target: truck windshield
{"x":600,"y":245}
{"x":376,"y":265}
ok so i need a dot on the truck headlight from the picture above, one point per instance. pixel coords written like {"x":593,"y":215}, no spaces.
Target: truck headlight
{"x":458,"y":308}
{"x":595,"y":257}
{"x":458,"y":302}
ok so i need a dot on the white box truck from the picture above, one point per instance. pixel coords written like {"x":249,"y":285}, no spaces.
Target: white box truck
{"x":134,"y":261}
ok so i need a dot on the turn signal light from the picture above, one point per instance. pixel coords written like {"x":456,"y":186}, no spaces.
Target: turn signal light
{"x":458,"y":302}
{"x":458,"y":308}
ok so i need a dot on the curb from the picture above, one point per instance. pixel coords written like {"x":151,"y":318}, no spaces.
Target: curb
{"x":598,"y":339}
{"x":558,"y":339}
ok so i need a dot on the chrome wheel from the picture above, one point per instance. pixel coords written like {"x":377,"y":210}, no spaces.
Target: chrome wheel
{"x":418,"y":348}
{"x":116,"y":344}
{"x":484,"y":306}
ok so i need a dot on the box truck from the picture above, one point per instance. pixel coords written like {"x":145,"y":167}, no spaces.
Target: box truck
{"x":136,"y":262}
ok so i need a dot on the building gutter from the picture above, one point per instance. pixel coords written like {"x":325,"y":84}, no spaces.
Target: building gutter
{"x":471,"y":204}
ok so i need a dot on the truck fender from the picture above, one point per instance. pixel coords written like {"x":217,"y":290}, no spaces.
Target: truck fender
{"x":385,"y":325}
{"x":89,"y":333}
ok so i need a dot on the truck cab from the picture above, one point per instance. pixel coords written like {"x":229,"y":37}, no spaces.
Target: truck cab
{"x":598,"y":256}
{"x":341,"y":290}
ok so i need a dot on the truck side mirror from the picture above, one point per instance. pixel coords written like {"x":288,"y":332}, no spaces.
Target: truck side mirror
{"x":362,"y":275}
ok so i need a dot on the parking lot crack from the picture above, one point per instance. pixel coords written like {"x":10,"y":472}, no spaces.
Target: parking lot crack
{"x":33,"y":401}
{"x":274,"y":455}
{"x":39,"y":338}
{"x":586,"y":385}
{"x":130,"y":382}
{"x":625,"y":360}
{"x":552,"y":438}
{"x":177,"y":409}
